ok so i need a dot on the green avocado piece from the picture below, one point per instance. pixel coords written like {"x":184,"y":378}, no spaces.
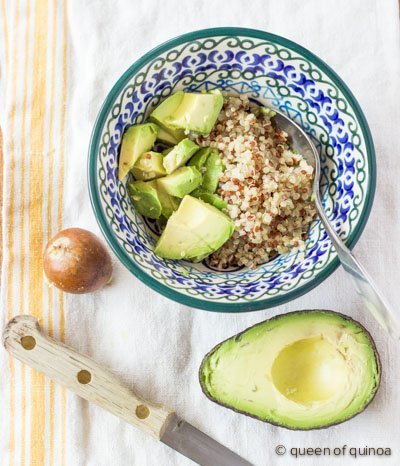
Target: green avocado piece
{"x":162,"y":222}
{"x":199,"y":258}
{"x":213,"y":171}
{"x":145,"y":198}
{"x":200,"y":158}
{"x":268,"y":112}
{"x":136,"y":140}
{"x":195,"y":230}
{"x":167,"y":151}
{"x":215,"y":91}
{"x":196,"y":112}
{"x":169,"y":204}
{"x":181,"y":182}
{"x":163,"y":111}
{"x":302,"y":370}
{"x":179,"y":155}
{"x":210,"y":198}
{"x":167,"y":138}
{"x":149,"y":166}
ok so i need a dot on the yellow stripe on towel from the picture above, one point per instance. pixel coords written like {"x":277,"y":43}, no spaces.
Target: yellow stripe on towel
{"x":11,"y":75}
{"x":37,"y":449}
{"x":22,"y":309}
{"x":60,"y":216}
{"x":50,"y":231}
{"x":35,"y":36}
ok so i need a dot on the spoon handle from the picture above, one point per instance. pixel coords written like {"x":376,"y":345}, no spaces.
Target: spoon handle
{"x":366,"y":288}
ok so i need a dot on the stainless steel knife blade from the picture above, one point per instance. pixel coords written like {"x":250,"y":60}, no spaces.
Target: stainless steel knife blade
{"x":199,"y":447}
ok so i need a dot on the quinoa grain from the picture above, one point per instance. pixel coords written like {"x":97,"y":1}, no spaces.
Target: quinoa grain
{"x":266,"y":185}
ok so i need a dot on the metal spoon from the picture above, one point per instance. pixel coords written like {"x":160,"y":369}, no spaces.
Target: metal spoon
{"x":365,"y":287}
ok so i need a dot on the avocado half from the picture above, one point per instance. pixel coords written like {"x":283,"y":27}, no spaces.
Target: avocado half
{"x":302,"y":370}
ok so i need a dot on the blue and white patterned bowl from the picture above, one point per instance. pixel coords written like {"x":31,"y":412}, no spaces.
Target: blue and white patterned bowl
{"x":280,"y":74}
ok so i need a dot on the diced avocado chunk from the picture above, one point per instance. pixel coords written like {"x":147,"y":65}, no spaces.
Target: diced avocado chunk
{"x":167,"y":151}
{"x":136,"y":140}
{"x":210,"y":198}
{"x":181,"y":182}
{"x":195,"y":230}
{"x":208,"y":161}
{"x":162,"y":222}
{"x":213,"y":171}
{"x":200,"y":158}
{"x":167,"y":138}
{"x":180,"y":242}
{"x":268,"y":112}
{"x":215,"y":91}
{"x":169,"y":204}
{"x":179,"y":155}
{"x":145,"y":198}
{"x":149,"y":166}
{"x":162,"y":112}
{"x":199,"y":258}
{"x":196,"y":112}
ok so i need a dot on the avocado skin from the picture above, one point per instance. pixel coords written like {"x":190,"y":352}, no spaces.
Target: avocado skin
{"x":277,"y":424}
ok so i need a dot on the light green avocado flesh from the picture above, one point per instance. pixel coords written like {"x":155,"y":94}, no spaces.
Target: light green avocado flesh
{"x":200,"y":158}
{"x":302,"y":370}
{"x":169,"y":204}
{"x":208,"y":161}
{"x":149,"y":166}
{"x":211,"y":198}
{"x":144,"y":197}
{"x":195,"y":230}
{"x":199,"y":258}
{"x":167,"y":151}
{"x":163,"y":111}
{"x":179,"y":155}
{"x":181,"y":181}
{"x":135,"y":141}
{"x":167,"y":138}
{"x":213,"y":171}
{"x":196,"y":112}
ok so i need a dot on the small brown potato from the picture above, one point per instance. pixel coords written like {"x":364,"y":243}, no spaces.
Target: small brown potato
{"x":76,"y":261}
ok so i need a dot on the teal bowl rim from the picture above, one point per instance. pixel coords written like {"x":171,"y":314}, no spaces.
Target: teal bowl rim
{"x":107,"y":231}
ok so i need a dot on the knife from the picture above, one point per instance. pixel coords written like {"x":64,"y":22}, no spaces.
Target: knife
{"x":23,"y":338}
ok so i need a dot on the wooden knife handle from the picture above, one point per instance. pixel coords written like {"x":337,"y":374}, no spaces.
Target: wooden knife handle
{"x":24,"y":339}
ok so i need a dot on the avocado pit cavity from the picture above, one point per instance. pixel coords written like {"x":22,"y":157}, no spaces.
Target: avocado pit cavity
{"x":310,"y":370}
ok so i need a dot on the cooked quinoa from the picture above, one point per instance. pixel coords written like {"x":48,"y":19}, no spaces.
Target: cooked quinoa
{"x":266,"y":185}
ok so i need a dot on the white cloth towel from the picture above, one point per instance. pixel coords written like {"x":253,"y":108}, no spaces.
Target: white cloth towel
{"x":156,"y":345}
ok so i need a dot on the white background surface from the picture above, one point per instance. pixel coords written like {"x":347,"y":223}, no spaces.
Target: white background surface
{"x":156,"y":345}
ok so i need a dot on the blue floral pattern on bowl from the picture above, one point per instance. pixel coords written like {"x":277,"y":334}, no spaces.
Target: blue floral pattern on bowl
{"x":278,"y":74}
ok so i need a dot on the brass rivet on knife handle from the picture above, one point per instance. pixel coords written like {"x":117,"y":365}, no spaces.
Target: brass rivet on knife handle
{"x":84,"y":376}
{"x":28,"y":342}
{"x":24,"y":339}
{"x":142,"y":412}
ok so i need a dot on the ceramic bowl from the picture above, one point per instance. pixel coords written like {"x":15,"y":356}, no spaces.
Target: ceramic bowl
{"x":280,"y":74}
